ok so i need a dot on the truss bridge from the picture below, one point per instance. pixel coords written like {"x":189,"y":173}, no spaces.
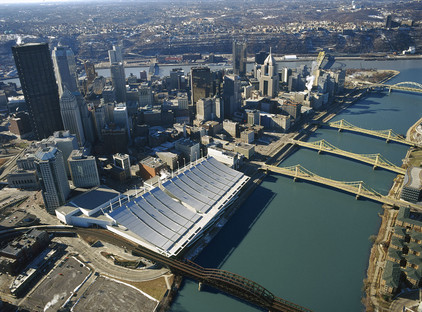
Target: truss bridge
{"x":388,"y":135}
{"x":376,"y":160}
{"x":227,"y":282}
{"x":355,"y":187}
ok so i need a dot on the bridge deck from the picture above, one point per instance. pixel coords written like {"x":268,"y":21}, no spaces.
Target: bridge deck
{"x":355,"y":187}
{"x":376,"y":160}
{"x":388,"y":135}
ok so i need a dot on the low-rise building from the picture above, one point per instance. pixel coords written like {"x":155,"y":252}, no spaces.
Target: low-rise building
{"x":150,"y":167}
{"x":247,"y":136}
{"x":20,"y":251}
{"x":23,"y":179}
{"x":247,"y":150}
{"x":228,"y":158}
{"x":412,"y":185}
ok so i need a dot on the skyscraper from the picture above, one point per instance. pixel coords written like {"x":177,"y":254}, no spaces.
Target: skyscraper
{"x":36,"y":74}
{"x":239,"y":58}
{"x":119,"y":81}
{"x":268,"y":80}
{"x":50,"y":168}
{"x":115,"y":55}
{"x":71,"y":115}
{"x":201,"y":83}
{"x":83,"y":169}
{"x":65,"y":69}
{"x":231,"y":95}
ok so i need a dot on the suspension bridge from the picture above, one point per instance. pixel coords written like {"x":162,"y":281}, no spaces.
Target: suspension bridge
{"x":376,"y":160}
{"x":355,"y":187}
{"x":388,"y":135}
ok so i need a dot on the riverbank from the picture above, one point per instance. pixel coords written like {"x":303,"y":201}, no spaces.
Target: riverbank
{"x":375,"y":298}
{"x":310,"y":58}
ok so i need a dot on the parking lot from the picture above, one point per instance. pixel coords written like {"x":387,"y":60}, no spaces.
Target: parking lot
{"x":58,"y":285}
{"x":108,"y":295}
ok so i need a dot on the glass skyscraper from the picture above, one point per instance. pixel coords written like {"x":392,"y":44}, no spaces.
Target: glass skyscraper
{"x":36,"y":74}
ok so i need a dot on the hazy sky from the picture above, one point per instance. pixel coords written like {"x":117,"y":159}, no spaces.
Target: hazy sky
{"x":34,"y":1}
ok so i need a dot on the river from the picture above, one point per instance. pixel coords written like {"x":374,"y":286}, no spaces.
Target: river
{"x":303,"y":242}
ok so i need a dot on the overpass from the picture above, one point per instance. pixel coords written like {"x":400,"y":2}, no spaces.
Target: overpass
{"x":388,"y":135}
{"x":376,"y":160}
{"x":230,"y":283}
{"x":355,"y":187}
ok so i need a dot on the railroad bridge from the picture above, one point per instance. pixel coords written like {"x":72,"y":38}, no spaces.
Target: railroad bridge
{"x":227,"y":282}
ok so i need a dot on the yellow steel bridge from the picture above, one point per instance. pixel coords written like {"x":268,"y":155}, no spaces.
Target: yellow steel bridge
{"x":376,"y":160}
{"x":355,"y":187}
{"x":388,"y":135}
{"x":407,"y":86}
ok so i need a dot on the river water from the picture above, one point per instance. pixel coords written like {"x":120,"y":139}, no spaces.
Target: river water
{"x":303,"y":242}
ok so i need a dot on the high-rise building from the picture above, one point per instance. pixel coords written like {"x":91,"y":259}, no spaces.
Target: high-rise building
{"x":260,"y":57}
{"x":87,"y":119}
{"x":253,"y":117}
{"x":65,"y":71}
{"x":122,"y":161}
{"x":115,"y":55}
{"x":268,"y":80}
{"x":36,"y":74}
{"x":231,"y":95}
{"x":239,"y":58}
{"x":146,"y":97}
{"x":209,"y":109}
{"x":204,"y":109}
{"x":65,"y":142}
{"x":51,"y":170}
{"x":201,"y":83}
{"x":118,"y":79}
{"x":91,"y":74}
{"x":100,"y":119}
{"x":121,"y":118}
{"x":189,"y":149}
{"x":71,"y":115}
{"x":83,"y":169}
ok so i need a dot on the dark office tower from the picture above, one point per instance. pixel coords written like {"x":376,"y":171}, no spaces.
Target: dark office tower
{"x":36,"y":74}
{"x":260,"y":57}
{"x":119,"y":81}
{"x":201,"y":83}
{"x":388,"y":21}
{"x":90,"y":71}
{"x":239,"y":58}
{"x":63,"y":60}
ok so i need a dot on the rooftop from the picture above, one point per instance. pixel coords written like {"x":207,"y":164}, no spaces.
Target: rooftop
{"x":92,"y":199}
{"x":413,"y":178}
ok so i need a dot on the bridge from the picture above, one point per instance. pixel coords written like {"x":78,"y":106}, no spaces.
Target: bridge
{"x":407,"y":86}
{"x":230,"y":283}
{"x":355,"y":187}
{"x":376,"y":160}
{"x":388,"y":135}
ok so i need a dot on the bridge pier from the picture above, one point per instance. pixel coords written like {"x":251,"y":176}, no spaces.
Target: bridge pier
{"x":199,"y":286}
